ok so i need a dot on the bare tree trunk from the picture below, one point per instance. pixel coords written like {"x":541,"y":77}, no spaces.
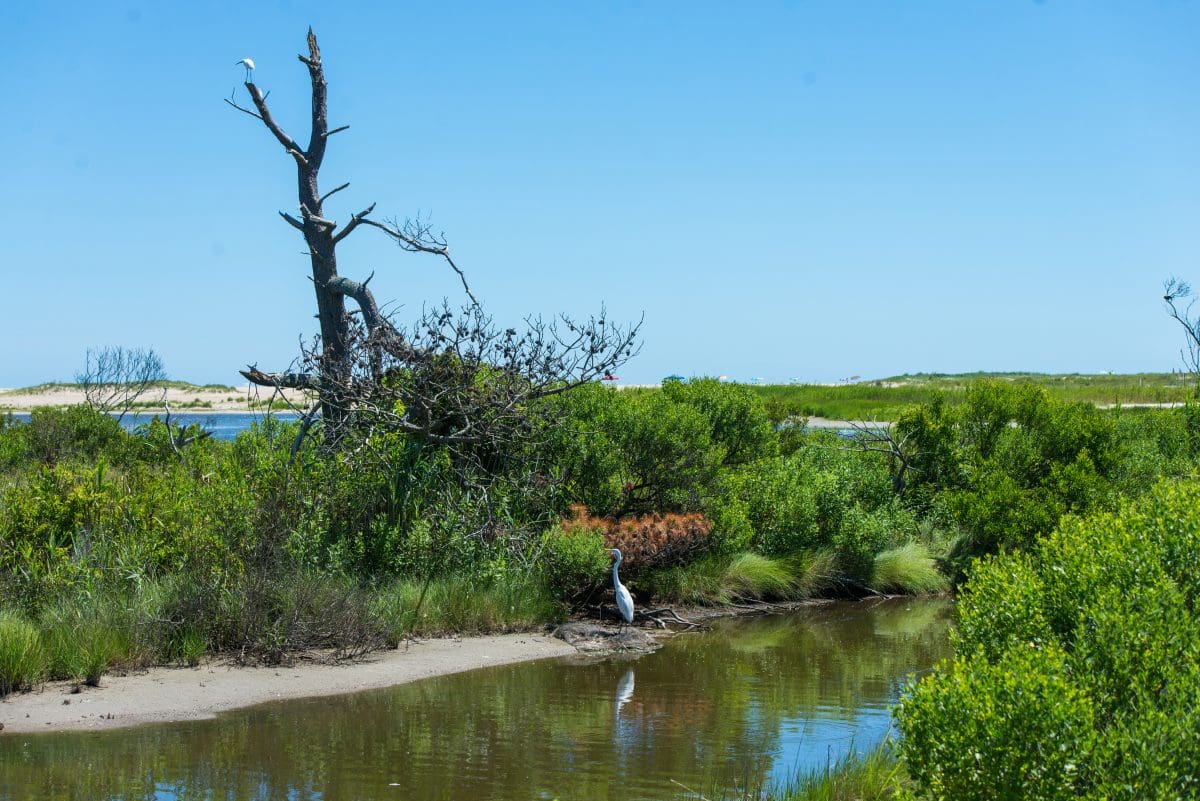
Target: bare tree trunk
{"x":443,"y":401}
{"x":319,"y":236}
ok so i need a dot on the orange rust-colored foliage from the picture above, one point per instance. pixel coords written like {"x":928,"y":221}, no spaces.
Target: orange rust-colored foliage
{"x":651,"y":540}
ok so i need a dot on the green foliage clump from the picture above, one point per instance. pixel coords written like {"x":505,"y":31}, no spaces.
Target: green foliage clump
{"x":630,"y":452}
{"x":1077,"y":667}
{"x":635,"y":452}
{"x":1009,"y":460}
{"x":823,"y":496}
{"x":1017,"y":728}
{"x":737,"y":417}
{"x":53,"y":435}
{"x":574,"y":561}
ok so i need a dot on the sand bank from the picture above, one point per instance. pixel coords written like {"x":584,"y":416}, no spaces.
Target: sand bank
{"x":201,"y":400}
{"x":163,"y":695}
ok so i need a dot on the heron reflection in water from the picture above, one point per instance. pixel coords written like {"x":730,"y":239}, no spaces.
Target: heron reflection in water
{"x":626,"y":732}
{"x":624,"y":690}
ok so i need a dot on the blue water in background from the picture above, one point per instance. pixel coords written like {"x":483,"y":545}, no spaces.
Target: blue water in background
{"x":224,"y":425}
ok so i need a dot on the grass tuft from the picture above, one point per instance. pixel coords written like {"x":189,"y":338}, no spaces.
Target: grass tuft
{"x":745,"y":576}
{"x":461,"y":605}
{"x":877,"y":776}
{"x":752,"y":575}
{"x":909,"y":570}
{"x":22,"y":659}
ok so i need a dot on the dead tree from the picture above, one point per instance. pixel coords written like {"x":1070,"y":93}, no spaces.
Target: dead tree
{"x":114,"y":378}
{"x":1175,"y":292}
{"x":454,"y":379}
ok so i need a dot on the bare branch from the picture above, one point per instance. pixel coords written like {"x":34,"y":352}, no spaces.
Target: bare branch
{"x":244,"y":110}
{"x":1175,"y":290}
{"x":355,"y":221}
{"x":318,"y":134}
{"x":416,"y":237}
{"x":292,"y":221}
{"x":332,"y":192}
{"x":328,"y":134}
{"x":264,"y":114}
{"x":282,"y":380}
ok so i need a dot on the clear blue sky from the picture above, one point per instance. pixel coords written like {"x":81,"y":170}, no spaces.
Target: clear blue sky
{"x":811,"y":189}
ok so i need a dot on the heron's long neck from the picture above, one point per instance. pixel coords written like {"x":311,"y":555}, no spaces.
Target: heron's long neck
{"x":616,"y":564}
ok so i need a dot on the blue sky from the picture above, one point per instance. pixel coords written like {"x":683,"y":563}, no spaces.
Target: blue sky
{"x":809,"y":189}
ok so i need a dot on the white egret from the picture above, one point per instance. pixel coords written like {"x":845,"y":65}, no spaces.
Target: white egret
{"x":624,"y":599}
{"x":248,"y":63}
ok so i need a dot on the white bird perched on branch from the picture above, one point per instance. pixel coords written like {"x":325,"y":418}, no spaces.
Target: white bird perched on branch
{"x":248,"y":63}
{"x":624,"y":599}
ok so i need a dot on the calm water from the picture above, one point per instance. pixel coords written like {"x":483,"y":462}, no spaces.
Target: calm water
{"x":752,"y":697}
{"x":226,"y":425}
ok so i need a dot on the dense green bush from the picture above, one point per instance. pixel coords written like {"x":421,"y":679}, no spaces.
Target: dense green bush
{"x":1077,"y":667}
{"x":1009,"y":461}
{"x":823,"y":495}
{"x":54,"y":435}
{"x":736,"y":415}
{"x":629,"y":452}
{"x":574,"y":561}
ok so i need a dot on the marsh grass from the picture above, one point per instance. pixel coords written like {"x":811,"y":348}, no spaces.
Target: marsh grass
{"x":84,"y":639}
{"x":461,"y":605}
{"x":752,"y":575}
{"x":745,"y":576}
{"x":909,"y":570}
{"x":22,"y":658}
{"x":876,"y":776}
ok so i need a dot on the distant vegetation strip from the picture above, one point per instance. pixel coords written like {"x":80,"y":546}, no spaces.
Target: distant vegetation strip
{"x":886,"y":398}
{"x":52,"y":386}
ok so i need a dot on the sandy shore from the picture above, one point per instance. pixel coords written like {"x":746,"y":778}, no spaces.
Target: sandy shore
{"x":199,"y":400}
{"x":176,"y":694}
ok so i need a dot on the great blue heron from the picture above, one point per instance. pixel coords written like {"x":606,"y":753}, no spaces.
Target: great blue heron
{"x":624,"y":599}
{"x":248,"y":63}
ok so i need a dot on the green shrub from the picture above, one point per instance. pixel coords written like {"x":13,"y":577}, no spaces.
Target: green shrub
{"x":736,"y":415}
{"x":22,"y":659}
{"x":1010,"y":460}
{"x":861,"y":535}
{"x":1018,"y":728}
{"x":635,"y":452}
{"x":731,"y":528}
{"x":53,"y":435}
{"x":574,"y":561}
{"x":821,"y":495}
{"x":1078,"y":665}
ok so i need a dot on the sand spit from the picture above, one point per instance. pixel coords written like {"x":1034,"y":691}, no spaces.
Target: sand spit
{"x":202,"y":400}
{"x":167,"y":694}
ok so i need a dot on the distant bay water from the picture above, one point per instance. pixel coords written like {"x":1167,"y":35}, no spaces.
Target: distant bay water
{"x":223,"y":425}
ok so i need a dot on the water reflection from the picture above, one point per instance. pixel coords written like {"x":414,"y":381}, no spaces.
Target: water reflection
{"x":750,"y":698}
{"x":624,"y":689}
